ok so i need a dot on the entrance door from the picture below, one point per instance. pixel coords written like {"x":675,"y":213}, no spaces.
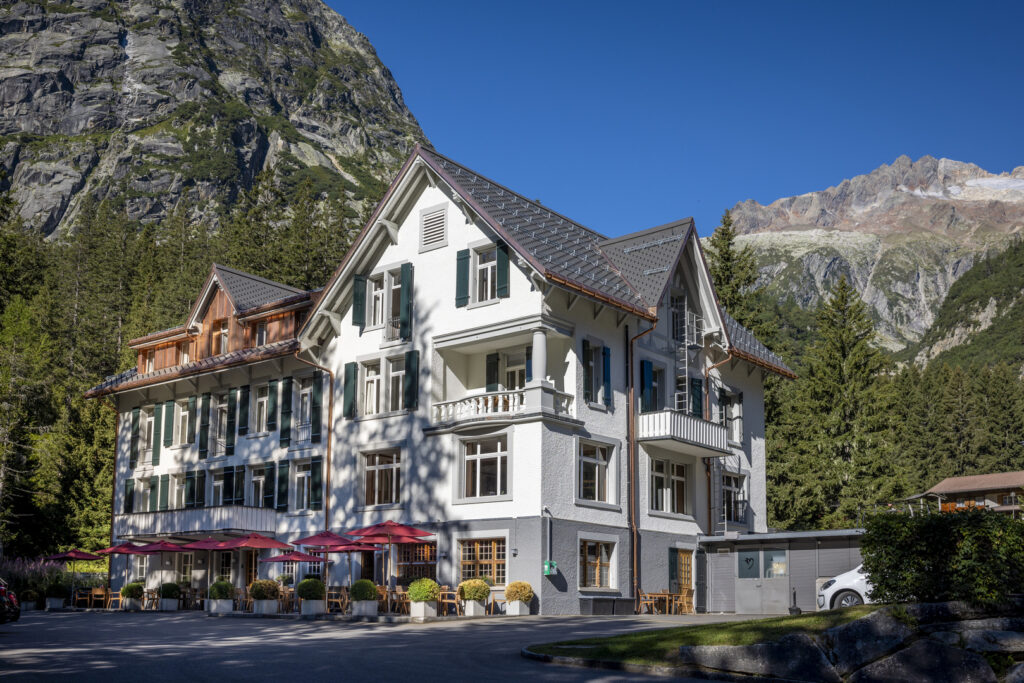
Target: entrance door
{"x":680,"y":569}
{"x":366,"y":565}
{"x":251,"y":566}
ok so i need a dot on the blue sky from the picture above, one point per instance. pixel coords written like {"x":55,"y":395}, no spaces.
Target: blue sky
{"x":628,"y":115}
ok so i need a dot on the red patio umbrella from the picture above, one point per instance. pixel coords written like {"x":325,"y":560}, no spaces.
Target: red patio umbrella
{"x":208,"y":544}
{"x":391,"y":533}
{"x":71,"y":556}
{"x":348,"y":549}
{"x":295,"y":556}
{"x":254,"y":540}
{"x":324,"y":538}
{"x":126,"y":548}
{"x":162,"y":547}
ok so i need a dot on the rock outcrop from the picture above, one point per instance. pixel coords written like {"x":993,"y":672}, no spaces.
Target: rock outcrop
{"x":184,"y":102}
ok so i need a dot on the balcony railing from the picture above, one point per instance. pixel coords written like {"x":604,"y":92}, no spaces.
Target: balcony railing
{"x":503,"y":403}
{"x":392,"y":329}
{"x":302,"y":434}
{"x":195,"y":521}
{"x":678,"y":426}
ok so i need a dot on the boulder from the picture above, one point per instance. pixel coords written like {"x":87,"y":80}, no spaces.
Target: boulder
{"x":794,"y":657}
{"x":1015,"y":674}
{"x":994,"y":641}
{"x":927,"y":661}
{"x":852,"y":645}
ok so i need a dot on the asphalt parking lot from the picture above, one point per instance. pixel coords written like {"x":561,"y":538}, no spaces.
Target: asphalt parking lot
{"x":151,"y":647}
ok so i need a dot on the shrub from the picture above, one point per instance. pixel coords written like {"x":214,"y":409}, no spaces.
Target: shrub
{"x":976,"y":556}
{"x":311,"y":589}
{"x":424,"y":590}
{"x":170,"y":591}
{"x":310,"y":576}
{"x":132,"y":591}
{"x":29,"y":597}
{"x":474,"y":589}
{"x":363,"y":589}
{"x":264,"y":589}
{"x":519,"y":590}
{"x":488,"y":580}
{"x":285,"y":579}
{"x":56,"y":589}
{"x":221,"y":590}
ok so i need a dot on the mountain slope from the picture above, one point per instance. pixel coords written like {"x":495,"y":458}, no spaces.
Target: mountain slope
{"x":903,"y":234}
{"x":156,"y":103}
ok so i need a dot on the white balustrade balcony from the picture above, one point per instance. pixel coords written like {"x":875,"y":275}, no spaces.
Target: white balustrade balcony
{"x":196,"y":521}
{"x":503,"y":404}
{"x":676,"y":427}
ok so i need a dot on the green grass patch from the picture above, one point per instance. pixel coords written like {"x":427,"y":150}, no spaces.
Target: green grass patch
{"x":660,"y":646}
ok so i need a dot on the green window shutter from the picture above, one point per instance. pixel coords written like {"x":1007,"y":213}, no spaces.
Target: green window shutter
{"x":462,"y":278}
{"x":359,"y":300}
{"x":268,"y":486}
{"x":405,"y":315}
{"x":588,"y":374}
{"x":606,"y":375}
{"x":191,"y":432}
{"x":646,"y":386}
{"x":239,"y":496}
{"x":168,"y":423}
{"x":229,"y":438}
{"x":204,"y":426}
{"x":282,"y":486}
{"x":272,"y":405}
{"x":492,"y":372}
{"x":286,"y":413}
{"x":696,"y":397}
{"x":158,"y":415}
{"x":502,"y":270}
{"x":243,"y":410}
{"x":133,"y":456}
{"x":316,"y":484}
{"x":128,"y":505}
{"x":201,"y":489}
{"x":316,"y":406}
{"x":190,"y":489}
{"x":154,"y":493}
{"x":228,"y":492}
{"x":349,"y":400}
{"x":165,"y":483}
{"x":411,"y":381}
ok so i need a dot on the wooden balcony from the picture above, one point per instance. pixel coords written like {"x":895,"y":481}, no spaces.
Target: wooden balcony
{"x":196,"y":521}
{"x":683,"y":432}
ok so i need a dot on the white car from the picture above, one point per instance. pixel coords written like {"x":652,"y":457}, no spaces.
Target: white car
{"x":846,"y":590}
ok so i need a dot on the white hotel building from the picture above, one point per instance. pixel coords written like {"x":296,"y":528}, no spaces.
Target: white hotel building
{"x":560,"y":408}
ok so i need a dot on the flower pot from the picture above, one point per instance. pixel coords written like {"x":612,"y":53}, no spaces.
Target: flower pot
{"x":475,"y":608}
{"x":54,"y":603}
{"x":423,"y":610}
{"x":131,"y":604}
{"x":168,"y":604}
{"x":517,"y":608}
{"x":264,"y":606}
{"x":311,"y":608}
{"x":364,"y":608}
{"x":220,"y":606}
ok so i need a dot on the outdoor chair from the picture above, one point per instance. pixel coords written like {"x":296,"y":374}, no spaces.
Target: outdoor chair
{"x":113,"y":600}
{"x":647,"y":600}
{"x":98,"y":597}
{"x":334,"y":600}
{"x":448,"y":602}
{"x":82,"y":595}
{"x":683,"y":602}
{"x":150,"y":600}
{"x":401,"y":600}
{"x":382,"y":599}
{"x":497,"y":603}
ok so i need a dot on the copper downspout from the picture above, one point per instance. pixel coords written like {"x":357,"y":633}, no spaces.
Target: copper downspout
{"x":330,"y":433}
{"x":707,"y":416}
{"x":633,"y":456}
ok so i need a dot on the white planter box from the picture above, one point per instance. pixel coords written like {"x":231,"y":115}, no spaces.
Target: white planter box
{"x":220,"y":606}
{"x":475,"y":608}
{"x":54,"y":603}
{"x":313,"y":607}
{"x":28,"y":606}
{"x":422,"y":610}
{"x":131,"y":604}
{"x":168,"y":604}
{"x":364,"y":608}
{"x":517,"y":608}
{"x":264,"y":606}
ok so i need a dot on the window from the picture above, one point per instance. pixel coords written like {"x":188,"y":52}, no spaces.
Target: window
{"x":376,"y":303}
{"x":383,"y":478}
{"x":775,"y":565}
{"x":289,"y":568}
{"x":486,"y":470}
{"x":302,"y":481}
{"x":394,"y":326}
{"x":219,"y":341}
{"x":314,"y":568}
{"x":595,"y":564}
{"x":668,"y":487}
{"x":515,"y":370}
{"x":261,"y":334}
{"x":487,"y":274}
{"x":483,"y":557}
{"x":147,"y":435}
{"x":980,"y":501}
{"x":749,"y":564}
{"x":221,"y":425}
{"x":658,"y":481}
{"x":150,"y":360}
{"x":262,"y":394}
{"x":305,"y":399}
{"x":225,"y":566}
{"x":657,"y":388}
{"x":179,"y":493}
{"x":593,"y":372}
{"x":184,"y":356}
{"x":433,"y":232}
{"x":257,"y":487}
{"x":677,"y":488}
{"x":734,"y":509}
{"x":417,"y":560}
{"x":730,"y":414}
{"x":594,"y":472}
{"x":181,"y":424}
{"x":185,"y":562}
{"x":218,"y":489}
{"x":140,"y":565}
{"x":396,"y":380}
{"x":371,"y":388}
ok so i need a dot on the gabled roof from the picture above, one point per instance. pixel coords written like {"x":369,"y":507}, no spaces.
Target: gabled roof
{"x":745,"y":345}
{"x":249,"y":291}
{"x":980,"y":482}
{"x":646,"y":259}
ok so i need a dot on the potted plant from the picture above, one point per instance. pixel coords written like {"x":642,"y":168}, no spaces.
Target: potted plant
{"x":474,"y":594}
{"x":313,"y":595}
{"x":169,"y":594}
{"x":221,"y":598}
{"x":131,"y":596}
{"x":264,"y":596}
{"x":423,"y":595}
{"x":28,"y":598}
{"x":364,"y":598}
{"x":518,"y":596}
{"x":56,"y":594}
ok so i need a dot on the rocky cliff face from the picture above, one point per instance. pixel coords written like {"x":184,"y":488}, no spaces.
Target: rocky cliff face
{"x":183,"y":102}
{"x":903,"y":234}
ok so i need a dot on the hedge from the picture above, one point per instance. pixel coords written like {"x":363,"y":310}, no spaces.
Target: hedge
{"x":264,"y":589}
{"x":311,"y":589}
{"x":132,"y":591}
{"x":363,"y":589}
{"x":222,"y":590}
{"x":424,"y":590}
